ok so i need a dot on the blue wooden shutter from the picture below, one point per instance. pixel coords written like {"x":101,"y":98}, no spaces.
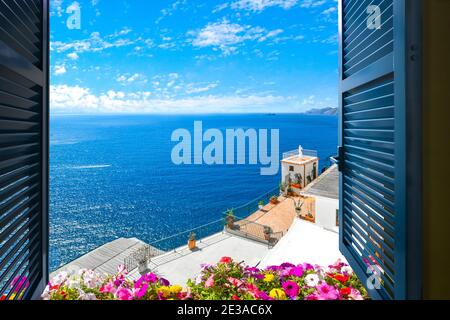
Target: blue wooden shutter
{"x":23,"y":148}
{"x":372,"y":141}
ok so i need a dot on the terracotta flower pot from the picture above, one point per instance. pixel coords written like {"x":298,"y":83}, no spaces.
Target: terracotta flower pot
{"x":192,"y":244}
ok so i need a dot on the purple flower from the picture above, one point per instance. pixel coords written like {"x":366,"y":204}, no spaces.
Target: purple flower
{"x":150,"y":278}
{"x":254,"y":273}
{"x":274,"y":268}
{"x":164,"y":282}
{"x":287,"y":265}
{"x":291,"y":288}
{"x":307,"y":266}
{"x":264,"y":296}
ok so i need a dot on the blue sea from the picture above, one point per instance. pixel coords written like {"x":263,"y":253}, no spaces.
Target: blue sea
{"x":112,"y":176}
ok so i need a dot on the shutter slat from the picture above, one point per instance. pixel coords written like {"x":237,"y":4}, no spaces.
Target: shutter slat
{"x":19,"y":252}
{"x":16,"y":89}
{"x":30,"y":272}
{"x":18,"y":174}
{"x":371,"y":246}
{"x":17,"y":114}
{"x":14,"y":225}
{"x":19,"y":23}
{"x":18,"y":192}
{"x":388,"y":286}
{"x":17,"y":206}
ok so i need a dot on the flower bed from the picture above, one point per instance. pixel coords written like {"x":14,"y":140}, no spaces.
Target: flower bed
{"x":227,"y":280}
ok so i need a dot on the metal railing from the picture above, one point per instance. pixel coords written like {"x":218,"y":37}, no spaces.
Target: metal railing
{"x":293,"y":153}
{"x":147,"y":252}
{"x":244,"y":211}
{"x":255,"y":231}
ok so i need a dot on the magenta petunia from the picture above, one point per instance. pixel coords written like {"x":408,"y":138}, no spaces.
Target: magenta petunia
{"x":291,"y":288}
{"x":296,"y":272}
{"x":327,"y":292}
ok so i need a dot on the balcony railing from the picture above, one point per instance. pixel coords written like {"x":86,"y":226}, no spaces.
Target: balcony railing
{"x":293,"y":153}
{"x":149,"y":252}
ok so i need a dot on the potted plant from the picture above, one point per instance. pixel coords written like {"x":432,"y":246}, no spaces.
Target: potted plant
{"x":230,"y":218}
{"x":291,"y":192}
{"x":298,"y":207}
{"x":261,"y":205}
{"x":192,"y":243}
{"x":310,"y":217}
{"x":298,"y":181}
{"x":267,"y":232}
{"x":282,"y":187}
{"x":274,"y":200}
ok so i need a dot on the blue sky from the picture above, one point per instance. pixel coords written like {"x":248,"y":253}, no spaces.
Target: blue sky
{"x":193,"y":56}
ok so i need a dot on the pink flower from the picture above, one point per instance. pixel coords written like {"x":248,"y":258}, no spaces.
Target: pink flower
{"x":210,"y":282}
{"x":327,"y":292}
{"x":140,"y":292}
{"x":124,"y":294}
{"x":291,"y":288}
{"x":355,"y":295}
{"x":235,"y":282}
{"x":313,"y":296}
{"x":297,"y":271}
{"x":307,"y":266}
{"x":108,"y":288}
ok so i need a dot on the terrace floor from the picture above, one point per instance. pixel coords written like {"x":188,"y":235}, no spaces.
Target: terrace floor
{"x":280,"y":217}
{"x":305,"y":242}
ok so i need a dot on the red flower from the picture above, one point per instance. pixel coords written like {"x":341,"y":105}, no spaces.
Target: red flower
{"x":235,"y":297}
{"x":345,"y":291}
{"x":340,"y":277}
{"x":226,"y":260}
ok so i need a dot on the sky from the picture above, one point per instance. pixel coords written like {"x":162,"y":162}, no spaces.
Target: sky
{"x":193,"y":56}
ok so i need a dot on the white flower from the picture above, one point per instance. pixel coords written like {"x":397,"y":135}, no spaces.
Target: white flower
{"x":312,"y":280}
{"x":87,"y":296}
{"x":46,"y":294}
{"x":59,"y":278}
{"x":347,"y":270}
{"x":73,"y":283}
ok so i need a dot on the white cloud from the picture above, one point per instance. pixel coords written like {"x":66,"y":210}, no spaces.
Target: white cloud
{"x":59,"y":70}
{"x":95,"y":43}
{"x":73,"y":56}
{"x":193,"y":88}
{"x":76,"y":99}
{"x":125,"y":79}
{"x":329,"y":11}
{"x":312,"y":3}
{"x":261,"y":5}
{"x":56,"y":8}
{"x":226,"y":36}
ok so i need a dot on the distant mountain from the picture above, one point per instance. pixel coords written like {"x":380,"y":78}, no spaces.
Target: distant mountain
{"x":324,"y":111}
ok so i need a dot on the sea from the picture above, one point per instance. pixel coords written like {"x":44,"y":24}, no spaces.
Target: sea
{"x":112,"y":176}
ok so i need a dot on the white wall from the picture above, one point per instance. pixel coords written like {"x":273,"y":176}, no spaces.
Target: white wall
{"x":326,"y":213}
{"x":298,"y":169}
